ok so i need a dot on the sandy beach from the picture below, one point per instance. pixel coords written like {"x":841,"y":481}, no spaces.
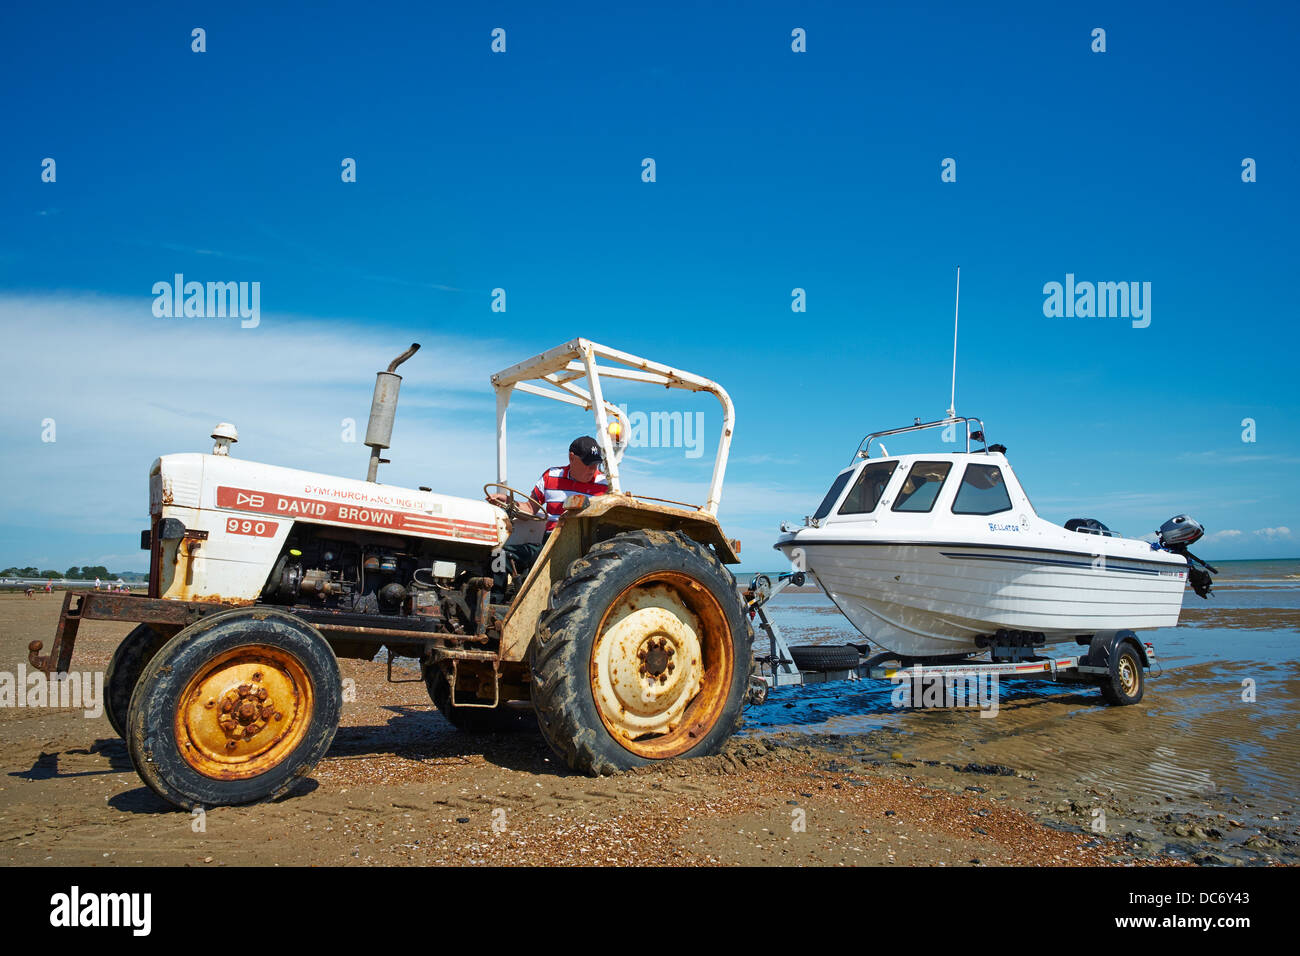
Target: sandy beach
{"x":821,"y":776}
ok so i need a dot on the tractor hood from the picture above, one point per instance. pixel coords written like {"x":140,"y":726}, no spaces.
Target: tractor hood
{"x":235,"y":486}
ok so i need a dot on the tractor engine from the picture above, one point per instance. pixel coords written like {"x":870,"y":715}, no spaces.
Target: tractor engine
{"x":225,"y":530}
{"x":326,"y":568}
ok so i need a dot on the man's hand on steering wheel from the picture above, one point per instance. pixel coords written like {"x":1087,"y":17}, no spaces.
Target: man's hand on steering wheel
{"x":513,"y":502}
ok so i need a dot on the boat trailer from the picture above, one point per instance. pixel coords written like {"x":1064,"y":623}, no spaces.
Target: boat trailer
{"x":1116,"y":660}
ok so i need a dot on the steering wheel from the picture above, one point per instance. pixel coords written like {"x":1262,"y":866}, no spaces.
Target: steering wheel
{"x":513,"y":509}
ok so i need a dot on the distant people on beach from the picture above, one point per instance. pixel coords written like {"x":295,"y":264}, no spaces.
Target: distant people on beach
{"x":31,"y":591}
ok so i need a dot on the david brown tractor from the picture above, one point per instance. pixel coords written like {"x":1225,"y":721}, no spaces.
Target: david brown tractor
{"x":627,"y":635}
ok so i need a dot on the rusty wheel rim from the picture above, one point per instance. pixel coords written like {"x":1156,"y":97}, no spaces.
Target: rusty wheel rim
{"x":244,"y":712}
{"x":661,"y":665}
{"x":1128,"y":676}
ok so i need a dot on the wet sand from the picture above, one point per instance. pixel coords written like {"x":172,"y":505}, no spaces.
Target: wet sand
{"x":822,"y":776}
{"x":1206,"y":768}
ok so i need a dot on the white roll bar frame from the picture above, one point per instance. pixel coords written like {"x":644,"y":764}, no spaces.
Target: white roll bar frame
{"x":553,"y":375}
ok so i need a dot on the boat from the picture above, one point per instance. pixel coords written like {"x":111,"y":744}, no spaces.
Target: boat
{"x":943,"y":555}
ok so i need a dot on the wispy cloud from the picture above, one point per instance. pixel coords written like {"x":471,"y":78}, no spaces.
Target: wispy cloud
{"x":121,"y":387}
{"x":312,"y":259}
{"x":1238,"y":458}
{"x":193,"y":251}
{"x":1280,"y":533}
{"x":767,"y":459}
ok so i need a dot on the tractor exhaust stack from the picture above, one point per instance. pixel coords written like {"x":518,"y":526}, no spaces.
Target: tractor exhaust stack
{"x":383,"y":411}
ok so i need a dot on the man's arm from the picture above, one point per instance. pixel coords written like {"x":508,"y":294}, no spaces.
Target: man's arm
{"x":538,"y":499}
{"x":525,"y":504}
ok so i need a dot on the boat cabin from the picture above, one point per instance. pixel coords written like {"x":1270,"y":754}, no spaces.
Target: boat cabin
{"x":917,"y":489}
{"x":980,"y":485}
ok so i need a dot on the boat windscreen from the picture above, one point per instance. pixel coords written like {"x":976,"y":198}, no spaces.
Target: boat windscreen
{"x":868,"y":488}
{"x":833,"y":495}
{"x":922,"y":486}
{"x":982,"y":492}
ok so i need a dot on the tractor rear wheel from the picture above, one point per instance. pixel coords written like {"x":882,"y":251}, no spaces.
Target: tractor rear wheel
{"x":643,"y":655}
{"x":124,"y":670}
{"x":234,"y":709}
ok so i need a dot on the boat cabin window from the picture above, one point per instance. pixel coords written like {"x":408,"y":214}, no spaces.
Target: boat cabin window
{"x":922,"y":485}
{"x":833,"y":495}
{"x":982,"y":492}
{"x":868,"y":488}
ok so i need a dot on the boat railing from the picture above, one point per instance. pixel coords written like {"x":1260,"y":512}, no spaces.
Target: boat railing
{"x":1102,"y":532}
{"x":864,"y":446}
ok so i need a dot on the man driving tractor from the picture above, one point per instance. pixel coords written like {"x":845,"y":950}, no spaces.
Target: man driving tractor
{"x":581,"y":476}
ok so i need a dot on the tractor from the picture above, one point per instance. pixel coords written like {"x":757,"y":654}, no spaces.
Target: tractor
{"x":627,"y":636}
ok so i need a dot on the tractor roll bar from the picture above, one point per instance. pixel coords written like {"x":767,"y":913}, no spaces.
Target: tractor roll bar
{"x":554,"y":374}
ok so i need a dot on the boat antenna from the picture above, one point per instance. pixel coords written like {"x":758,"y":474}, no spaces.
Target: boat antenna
{"x":952,"y":401}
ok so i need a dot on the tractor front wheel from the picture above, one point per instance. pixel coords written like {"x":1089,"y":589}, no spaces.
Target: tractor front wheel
{"x":235,"y":709}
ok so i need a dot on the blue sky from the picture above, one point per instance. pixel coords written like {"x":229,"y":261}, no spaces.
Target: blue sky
{"x":775,"y":170}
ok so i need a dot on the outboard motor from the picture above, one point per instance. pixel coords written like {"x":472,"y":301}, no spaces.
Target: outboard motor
{"x":1180,"y":530}
{"x":1176,"y":535}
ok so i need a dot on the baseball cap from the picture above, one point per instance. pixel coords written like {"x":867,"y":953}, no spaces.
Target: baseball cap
{"x":586,"y":449}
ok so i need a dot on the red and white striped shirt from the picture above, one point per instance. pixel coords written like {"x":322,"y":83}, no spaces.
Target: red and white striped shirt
{"x":556,"y":485}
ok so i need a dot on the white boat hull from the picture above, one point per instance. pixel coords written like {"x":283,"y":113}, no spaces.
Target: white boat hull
{"x":934,"y":599}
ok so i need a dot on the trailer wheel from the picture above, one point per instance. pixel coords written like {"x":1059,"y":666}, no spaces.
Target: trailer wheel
{"x":1125,"y":681}
{"x":472,"y":720}
{"x":234,"y":709}
{"x":644,"y":654}
{"x":812,"y":657}
{"x":124,"y":670}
